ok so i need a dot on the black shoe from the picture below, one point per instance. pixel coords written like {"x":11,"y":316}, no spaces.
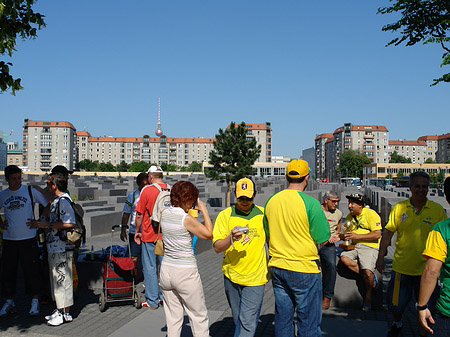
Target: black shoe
{"x":394,"y":331}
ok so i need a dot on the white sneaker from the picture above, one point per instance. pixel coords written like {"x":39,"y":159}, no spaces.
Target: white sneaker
{"x":8,"y":308}
{"x":34,"y":311}
{"x":57,"y":320}
{"x":53,"y":315}
{"x":67,"y":317}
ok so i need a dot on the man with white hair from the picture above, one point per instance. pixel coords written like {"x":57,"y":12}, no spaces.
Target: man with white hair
{"x":327,"y":252}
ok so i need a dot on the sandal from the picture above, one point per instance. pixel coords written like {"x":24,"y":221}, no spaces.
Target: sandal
{"x":366,"y":307}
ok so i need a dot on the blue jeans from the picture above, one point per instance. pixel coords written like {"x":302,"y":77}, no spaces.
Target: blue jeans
{"x":300,"y":292}
{"x":245,"y":303}
{"x":150,"y":265}
{"x":327,"y":255}
{"x":441,"y":328}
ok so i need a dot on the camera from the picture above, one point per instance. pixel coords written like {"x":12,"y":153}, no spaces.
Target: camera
{"x":242,"y":229}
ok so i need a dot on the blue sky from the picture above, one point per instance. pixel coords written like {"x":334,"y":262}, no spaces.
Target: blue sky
{"x":307,"y":67}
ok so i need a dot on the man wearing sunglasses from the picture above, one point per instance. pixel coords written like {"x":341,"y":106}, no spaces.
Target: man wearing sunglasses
{"x":239,"y":233}
{"x":327,"y":252}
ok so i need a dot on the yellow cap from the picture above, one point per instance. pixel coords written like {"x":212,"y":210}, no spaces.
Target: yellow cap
{"x":245,"y":188}
{"x":298,"y":168}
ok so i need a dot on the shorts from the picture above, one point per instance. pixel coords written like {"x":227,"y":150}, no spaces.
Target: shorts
{"x":135,"y":248}
{"x":400,"y":290}
{"x":365,"y":255}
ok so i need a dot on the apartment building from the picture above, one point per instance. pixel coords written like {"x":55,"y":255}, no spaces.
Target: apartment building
{"x":443,"y":151}
{"x":177,"y":151}
{"x":432,"y":145}
{"x":48,"y":143}
{"x":319,"y":145}
{"x":416,"y":150}
{"x":263,"y":135}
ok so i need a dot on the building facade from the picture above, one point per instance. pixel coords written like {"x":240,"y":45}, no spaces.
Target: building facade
{"x":416,"y":150}
{"x":319,"y":145}
{"x":443,"y":152}
{"x":3,"y":151}
{"x":48,"y":143}
{"x":263,"y":135}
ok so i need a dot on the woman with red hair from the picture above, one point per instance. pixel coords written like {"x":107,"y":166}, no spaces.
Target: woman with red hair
{"x":179,"y":278}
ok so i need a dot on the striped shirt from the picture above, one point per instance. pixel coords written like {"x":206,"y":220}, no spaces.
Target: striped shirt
{"x":177,"y":239}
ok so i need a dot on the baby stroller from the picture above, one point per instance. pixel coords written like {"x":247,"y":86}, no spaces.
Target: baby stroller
{"x":119,"y":276}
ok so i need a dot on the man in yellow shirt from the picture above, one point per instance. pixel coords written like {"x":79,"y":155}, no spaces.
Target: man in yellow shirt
{"x":366,"y":237}
{"x":412,"y":220}
{"x":295,"y":223}
{"x":239,"y":233}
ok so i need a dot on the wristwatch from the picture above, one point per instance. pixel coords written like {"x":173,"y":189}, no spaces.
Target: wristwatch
{"x":421,"y":307}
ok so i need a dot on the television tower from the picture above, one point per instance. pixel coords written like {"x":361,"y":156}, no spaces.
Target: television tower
{"x":159,"y":131}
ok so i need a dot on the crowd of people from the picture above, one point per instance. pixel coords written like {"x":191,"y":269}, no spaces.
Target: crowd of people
{"x":290,"y":241}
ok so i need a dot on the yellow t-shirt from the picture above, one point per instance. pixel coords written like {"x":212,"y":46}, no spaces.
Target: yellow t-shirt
{"x":412,"y":232}
{"x":295,"y":223}
{"x":368,"y":221}
{"x":246,"y":262}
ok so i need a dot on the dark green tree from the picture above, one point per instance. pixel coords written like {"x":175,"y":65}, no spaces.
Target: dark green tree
{"x":195,"y":166}
{"x":398,"y":158}
{"x":233,"y":156}
{"x":424,"y":21}
{"x":17,"y":20}
{"x":351,"y":163}
{"x":106,"y":167}
{"x":400,"y":173}
{"x":139,"y":166}
{"x":88,"y":165}
{"x":430,"y":161}
{"x":122,"y":167}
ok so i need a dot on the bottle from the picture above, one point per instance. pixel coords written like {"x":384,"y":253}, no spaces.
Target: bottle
{"x":41,"y":236}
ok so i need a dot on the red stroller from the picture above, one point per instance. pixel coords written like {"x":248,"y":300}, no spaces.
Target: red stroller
{"x":119,"y":276}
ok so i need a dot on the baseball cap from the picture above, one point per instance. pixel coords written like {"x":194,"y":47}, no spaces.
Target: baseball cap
{"x":155,"y":169}
{"x":61,"y":169}
{"x":358,"y":197}
{"x":245,"y":188}
{"x":298,"y":168}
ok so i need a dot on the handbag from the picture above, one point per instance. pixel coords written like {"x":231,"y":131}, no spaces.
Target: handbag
{"x":159,"y":244}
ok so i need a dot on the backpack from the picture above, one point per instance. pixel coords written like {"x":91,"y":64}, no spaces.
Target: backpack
{"x":162,"y":202}
{"x":76,"y":235}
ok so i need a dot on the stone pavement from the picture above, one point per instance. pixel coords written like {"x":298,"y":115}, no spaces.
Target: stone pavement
{"x":123,"y":319}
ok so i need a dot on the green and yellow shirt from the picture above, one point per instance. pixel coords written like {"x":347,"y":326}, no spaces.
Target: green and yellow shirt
{"x":295,"y":223}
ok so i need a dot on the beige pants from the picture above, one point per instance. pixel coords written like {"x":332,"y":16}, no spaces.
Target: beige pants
{"x":60,"y":265}
{"x":182,"y":290}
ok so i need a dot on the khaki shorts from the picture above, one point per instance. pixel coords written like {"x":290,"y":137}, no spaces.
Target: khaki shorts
{"x":365,"y":255}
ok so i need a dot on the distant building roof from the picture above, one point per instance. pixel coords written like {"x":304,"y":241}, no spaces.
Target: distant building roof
{"x":369,"y":127}
{"x":408,"y":142}
{"x":54,"y":124}
{"x":83,"y":133}
{"x":324,"y":135}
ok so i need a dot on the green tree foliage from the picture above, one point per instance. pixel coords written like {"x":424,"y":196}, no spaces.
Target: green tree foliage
{"x":424,"y":21}
{"x":195,"y":166}
{"x":139,"y":166}
{"x":88,"y":165}
{"x":17,"y":19}
{"x":398,"y":158}
{"x":430,"y":161}
{"x":437,"y":178}
{"x":400,"y":173}
{"x":106,"y":167}
{"x":351,"y":163}
{"x":233,"y":156}
{"x":122,"y":167}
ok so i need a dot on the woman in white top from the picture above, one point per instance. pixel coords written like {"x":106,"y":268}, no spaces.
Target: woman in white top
{"x":179,"y":278}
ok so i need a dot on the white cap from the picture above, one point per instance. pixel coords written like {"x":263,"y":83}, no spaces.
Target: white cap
{"x":155,"y":169}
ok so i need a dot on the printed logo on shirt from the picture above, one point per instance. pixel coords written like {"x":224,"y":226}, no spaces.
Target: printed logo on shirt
{"x":404,"y":217}
{"x":427,"y":221}
{"x":15,"y":202}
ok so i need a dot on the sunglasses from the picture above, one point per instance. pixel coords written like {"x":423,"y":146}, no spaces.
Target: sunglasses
{"x":245,"y":199}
